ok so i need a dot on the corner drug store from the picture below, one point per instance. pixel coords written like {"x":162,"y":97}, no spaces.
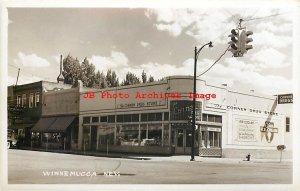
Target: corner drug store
{"x":232,"y":124}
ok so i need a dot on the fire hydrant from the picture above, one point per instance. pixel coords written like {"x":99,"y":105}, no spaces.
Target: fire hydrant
{"x":248,"y":157}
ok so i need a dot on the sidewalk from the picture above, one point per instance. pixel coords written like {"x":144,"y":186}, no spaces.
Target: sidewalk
{"x":174,"y":158}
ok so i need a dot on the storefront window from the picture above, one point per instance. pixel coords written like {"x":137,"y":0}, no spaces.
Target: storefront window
{"x":166,"y":135}
{"x":166,"y":116}
{"x":144,"y":117}
{"x":211,"y":118}
{"x":95,"y":119}
{"x":106,"y":135}
{"x":111,"y":119}
{"x":103,"y":119}
{"x":144,"y":134}
{"x":209,"y":138}
{"x":86,"y":120}
{"x":128,"y":135}
{"x":218,"y":119}
{"x":135,"y":118}
{"x":154,"y":135}
{"x":86,"y":134}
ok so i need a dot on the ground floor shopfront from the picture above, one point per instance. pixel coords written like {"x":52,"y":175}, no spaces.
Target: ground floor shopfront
{"x":160,"y":136}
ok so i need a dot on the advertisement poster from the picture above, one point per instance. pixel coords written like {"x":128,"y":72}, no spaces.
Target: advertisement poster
{"x":148,"y":95}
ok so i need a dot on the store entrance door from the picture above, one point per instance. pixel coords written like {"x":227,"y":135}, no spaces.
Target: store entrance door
{"x":183,"y":140}
{"x":94,"y":138}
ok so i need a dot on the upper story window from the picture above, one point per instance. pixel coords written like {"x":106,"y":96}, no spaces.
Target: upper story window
{"x":37,"y":99}
{"x":23,"y":100}
{"x":18,"y":101}
{"x":31,"y":100}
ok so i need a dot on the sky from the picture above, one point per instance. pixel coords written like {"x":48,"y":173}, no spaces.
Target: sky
{"x":159,"y":41}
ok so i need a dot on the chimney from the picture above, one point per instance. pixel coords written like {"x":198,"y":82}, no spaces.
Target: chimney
{"x":60,"y":77}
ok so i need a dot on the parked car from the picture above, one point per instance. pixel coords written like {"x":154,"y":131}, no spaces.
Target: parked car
{"x":12,"y":139}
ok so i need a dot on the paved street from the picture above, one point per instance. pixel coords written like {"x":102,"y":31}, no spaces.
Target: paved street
{"x":33,"y":167}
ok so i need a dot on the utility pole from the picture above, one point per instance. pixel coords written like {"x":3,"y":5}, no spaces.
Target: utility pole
{"x":194,"y":99}
{"x":18,"y":76}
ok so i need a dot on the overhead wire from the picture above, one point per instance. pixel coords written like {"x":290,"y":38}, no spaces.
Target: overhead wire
{"x":214,"y":62}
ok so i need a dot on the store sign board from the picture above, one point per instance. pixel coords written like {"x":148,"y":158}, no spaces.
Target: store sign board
{"x":183,"y":109}
{"x":285,"y":98}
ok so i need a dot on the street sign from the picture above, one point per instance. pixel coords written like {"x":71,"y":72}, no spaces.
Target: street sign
{"x":285,"y":98}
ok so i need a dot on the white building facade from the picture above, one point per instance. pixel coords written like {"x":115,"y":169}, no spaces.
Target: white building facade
{"x":154,"y":118}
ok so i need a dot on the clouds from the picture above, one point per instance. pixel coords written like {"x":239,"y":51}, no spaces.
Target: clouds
{"x":144,"y":44}
{"x":214,"y":24}
{"x":270,"y":58}
{"x":31,"y":60}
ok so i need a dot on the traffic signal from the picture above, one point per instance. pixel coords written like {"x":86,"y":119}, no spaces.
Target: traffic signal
{"x":234,"y":43}
{"x":248,"y":46}
{"x":245,"y":40}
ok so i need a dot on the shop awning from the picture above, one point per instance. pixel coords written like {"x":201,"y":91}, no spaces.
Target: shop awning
{"x":43,"y":124}
{"x":19,"y":126}
{"x":61,"y":124}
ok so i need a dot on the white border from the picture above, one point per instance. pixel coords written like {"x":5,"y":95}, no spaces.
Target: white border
{"x":151,"y":4}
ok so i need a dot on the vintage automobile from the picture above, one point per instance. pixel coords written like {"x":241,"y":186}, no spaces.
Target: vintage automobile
{"x":12,"y":138}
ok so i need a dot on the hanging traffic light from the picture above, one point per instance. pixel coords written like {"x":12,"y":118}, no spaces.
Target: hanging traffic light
{"x":248,"y":46}
{"x":234,"y":43}
{"x":244,"y":40}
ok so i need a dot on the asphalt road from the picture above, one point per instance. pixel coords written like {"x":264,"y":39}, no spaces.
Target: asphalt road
{"x":33,"y":167}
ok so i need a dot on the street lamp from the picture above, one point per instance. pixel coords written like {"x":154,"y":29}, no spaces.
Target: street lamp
{"x":194,"y":99}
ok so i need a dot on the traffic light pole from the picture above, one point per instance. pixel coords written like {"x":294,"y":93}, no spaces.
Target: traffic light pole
{"x":194,"y":99}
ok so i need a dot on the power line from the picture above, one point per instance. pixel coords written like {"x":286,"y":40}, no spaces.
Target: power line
{"x":258,"y":18}
{"x":214,"y":62}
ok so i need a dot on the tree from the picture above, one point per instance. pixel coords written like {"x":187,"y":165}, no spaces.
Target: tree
{"x":130,"y":79}
{"x":100,"y":81}
{"x":144,"y":77}
{"x":71,"y":70}
{"x":151,"y":79}
{"x":111,"y":79}
{"x":87,"y":74}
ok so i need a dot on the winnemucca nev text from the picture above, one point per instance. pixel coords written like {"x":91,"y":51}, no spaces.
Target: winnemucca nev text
{"x":152,"y":95}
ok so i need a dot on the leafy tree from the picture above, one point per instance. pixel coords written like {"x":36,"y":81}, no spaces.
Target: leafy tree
{"x":71,"y":70}
{"x":144,"y":77}
{"x":87,"y":73}
{"x":130,"y":79}
{"x":111,"y":79}
{"x":100,"y":80}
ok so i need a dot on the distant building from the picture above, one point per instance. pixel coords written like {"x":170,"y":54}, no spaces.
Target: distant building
{"x":58,"y":126}
{"x":25,"y":105}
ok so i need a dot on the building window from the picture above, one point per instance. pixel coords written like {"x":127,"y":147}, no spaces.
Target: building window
{"x":30,"y":100}
{"x":86,"y":120}
{"x":37,"y":99}
{"x":111,"y":119}
{"x":23,"y":100}
{"x":128,"y":135}
{"x":120,"y":118}
{"x":212,"y":118}
{"x":95,"y":119}
{"x":18,"y":101}
{"x":106,"y":135}
{"x":154,"y":135}
{"x":144,"y":117}
{"x":127,"y":118}
{"x":218,"y":119}
{"x":135,"y":117}
{"x":104,"y":118}
{"x":287,"y":124}
{"x":166,"y":116}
